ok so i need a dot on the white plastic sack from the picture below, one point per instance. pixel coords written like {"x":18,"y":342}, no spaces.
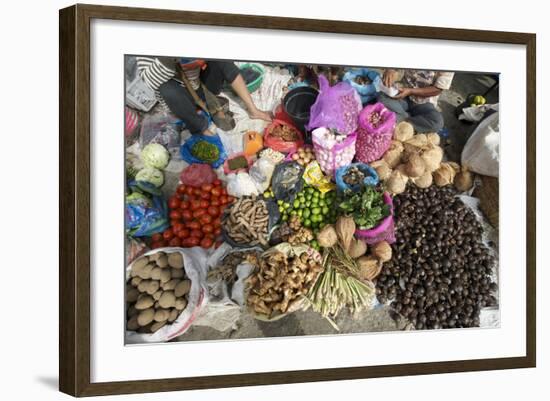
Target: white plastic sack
{"x":241,"y":184}
{"x":476,"y":113}
{"x":261,"y":172}
{"x":194,"y":260}
{"x":481,"y":153}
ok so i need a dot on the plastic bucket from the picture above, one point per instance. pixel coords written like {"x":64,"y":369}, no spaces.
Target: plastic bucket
{"x":297,"y":104}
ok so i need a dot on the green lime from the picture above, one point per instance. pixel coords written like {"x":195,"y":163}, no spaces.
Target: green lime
{"x":309,"y":197}
{"x":285,"y":217}
{"x":308,"y":204}
{"x":306,"y":213}
{"x":293,"y":212}
{"x":286,"y":205}
{"x":302,"y":205}
{"x":325,"y":210}
{"x":307,"y":223}
{"x":316,"y":210}
{"x":296,"y":204}
{"x":280,"y":202}
{"x":300,"y":212}
{"x":281,"y":209}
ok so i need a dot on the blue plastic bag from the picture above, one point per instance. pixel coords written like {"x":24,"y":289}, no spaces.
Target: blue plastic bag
{"x":146,"y":211}
{"x":371,"y":177}
{"x":367,"y":92}
{"x":187,"y":156}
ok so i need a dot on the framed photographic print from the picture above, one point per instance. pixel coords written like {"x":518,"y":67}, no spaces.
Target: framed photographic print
{"x":261,"y":200}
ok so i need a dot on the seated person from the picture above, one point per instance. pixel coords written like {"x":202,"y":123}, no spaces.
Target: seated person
{"x":161,"y":75}
{"x":416,"y":101}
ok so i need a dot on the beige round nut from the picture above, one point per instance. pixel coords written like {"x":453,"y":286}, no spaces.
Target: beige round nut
{"x":132,"y":324}
{"x":153,"y":287}
{"x":157,"y":325}
{"x":155,"y":273}
{"x":174,"y":313}
{"x":165,"y":276}
{"x":161,"y":315}
{"x":182,"y":288}
{"x":145,"y":273}
{"x":181,"y":303}
{"x":132,"y":295}
{"x":145,"y":317}
{"x":144,"y":302}
{"x":170,"y":285}
{"x":132,"y":311}
{"x":135,"y":281}
{"x":175,"y":260}
{"x":167,"y":299}
{"x":156,"y":295}
{"x":177,"y":273}
{"x":162,"y":261}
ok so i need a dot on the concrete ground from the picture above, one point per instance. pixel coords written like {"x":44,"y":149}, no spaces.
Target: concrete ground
{"x":381,"y":318}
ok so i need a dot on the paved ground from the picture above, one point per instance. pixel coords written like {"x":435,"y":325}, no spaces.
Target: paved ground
{"x":381,"y":318}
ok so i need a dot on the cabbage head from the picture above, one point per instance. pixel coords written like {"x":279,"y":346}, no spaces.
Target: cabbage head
{"x":155,"y":155}
{"x":152,"y":175}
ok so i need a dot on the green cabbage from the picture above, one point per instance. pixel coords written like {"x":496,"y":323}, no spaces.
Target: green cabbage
{"x":155,"y":155}
{"x":152,"y":175}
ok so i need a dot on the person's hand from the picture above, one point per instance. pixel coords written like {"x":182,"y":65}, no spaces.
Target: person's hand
{"x":259,"y":115}
{"x":403,"y":93}
{"x":389,"y":77}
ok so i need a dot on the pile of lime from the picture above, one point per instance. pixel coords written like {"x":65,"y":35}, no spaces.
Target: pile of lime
{"x":315,"y":209}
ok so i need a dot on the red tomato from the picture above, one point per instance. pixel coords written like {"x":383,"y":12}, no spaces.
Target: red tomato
{"x":204,"y":204}
{"x":213,"y":211}
{"x":168,"y":234}
{"x":205,"y":195}
{"x":196,"y":233}
{"x":173,"y":223}
{"x":177,"y":227}
{"x":183,"y":233}
{"x":216,"y":182}
{"x":195,"y":204}
{"x":217,"y":222}
{"x":215,"y":201}
{"x":207,"y":187}
{"x":175,"y":242}
{"x":216,"y":191}
{"x":223,"y":191}
{"x":189,"y":191}
{"x":156,"y":245}
{"x":156,"y":237}
{"x":206,"y":243}
{"x":193,"y":225}
{"x":175,"y":215}
{"x":230,"y":198}
{"x":197,"y":191}
{"x":187,"y":215}
{"x":198,"y":213}
{"x":184,"y":205}
{"x":206,"y":219}
{"x":181,"y":189}
{"x":207,"y":228}
{"x":173,"y":202}
{"x":217,"y":231}
{"x":210,"y":235}
{"x":224,"y":199}
{"x":194,"y":241}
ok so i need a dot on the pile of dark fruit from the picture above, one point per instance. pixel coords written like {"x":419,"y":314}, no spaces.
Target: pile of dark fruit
{"x":440,"y":273}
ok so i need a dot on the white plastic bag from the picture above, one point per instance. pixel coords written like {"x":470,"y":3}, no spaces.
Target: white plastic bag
{"x":241,"y":184}
{"x":261,"y":172}
{"x":481,"y":153}
{"x":195,"y":265}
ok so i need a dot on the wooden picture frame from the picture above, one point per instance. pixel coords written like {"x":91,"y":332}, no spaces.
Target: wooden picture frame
{"x":75,"y":207}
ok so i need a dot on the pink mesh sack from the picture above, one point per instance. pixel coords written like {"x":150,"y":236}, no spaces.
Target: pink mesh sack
{"x":385,"y":231}
{"x":336,"y":107}
{"x":375,"y":131}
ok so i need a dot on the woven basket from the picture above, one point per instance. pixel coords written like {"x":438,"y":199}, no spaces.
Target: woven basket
{"x":487,"y":193}
{"x":254,"y":85}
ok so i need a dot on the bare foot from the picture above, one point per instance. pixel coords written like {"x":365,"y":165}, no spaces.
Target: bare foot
{"x":260,"y":115}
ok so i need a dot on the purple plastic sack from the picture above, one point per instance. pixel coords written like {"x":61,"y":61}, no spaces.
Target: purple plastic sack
{"x":375,"y":131}
{"x":385,"y":231}
{"x":336,"y":107}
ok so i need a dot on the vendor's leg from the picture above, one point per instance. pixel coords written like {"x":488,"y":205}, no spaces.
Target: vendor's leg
{"x":181,"y":103}
{"x":399,"y":106}
{"x":220,"y":72}
{"x":425,"y":118}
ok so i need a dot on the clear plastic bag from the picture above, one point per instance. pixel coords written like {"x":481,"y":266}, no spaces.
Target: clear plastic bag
{"x":161,"y":128}
{"x":336,"y":107}
{"x":332,"y":151}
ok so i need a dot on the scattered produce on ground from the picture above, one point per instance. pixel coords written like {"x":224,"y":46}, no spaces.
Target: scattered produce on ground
{"x":440,"y":272}
{"x":161,"y":278}
{"x":247,"y":221}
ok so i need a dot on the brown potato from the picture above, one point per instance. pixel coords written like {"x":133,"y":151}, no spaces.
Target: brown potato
{"x":175,"y":260}
{"x":157,"y":325}
{"x":155,"y":273}
{"x":181,"y":303}
{"x":174,"y":313}
{"x":156,"y":295}
{"x":165,"y":276}
{"x":170,"y":285}
{"x":135,"y":281}
{"x":145,"y":273}
{"x":162,"y":261}
{"x":144,"y":302}
{"x":177,"y":273}
{"x":132,"y":324}
{"x":140,"y":263}
{"x":142,"y":287}
{"x":156,"y":305}
{"x":145,"y":317}
{"x":167,"y":299}
{"x":161,"y":315}
{"x":132,"y":295}
{"x":145,"y":329}
{"x":132,"y":311}
{"x":154,"y":257}
{"x":182,"y":288}
{"x":153,"y":287}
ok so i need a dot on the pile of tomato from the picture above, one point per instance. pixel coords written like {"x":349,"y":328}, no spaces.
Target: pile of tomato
{"x":195,"y":216}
